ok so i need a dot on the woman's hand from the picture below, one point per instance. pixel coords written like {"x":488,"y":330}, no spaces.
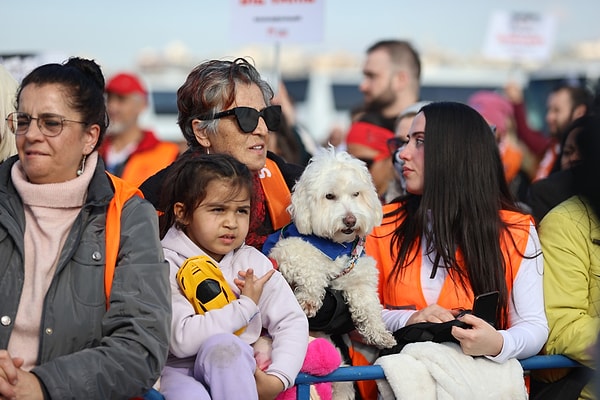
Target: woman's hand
{"x":250,"y":285}
{"x":431,"y":313}
{"x":16,"y":383}
{"x":8,"y":375}
{"x":268,"y":386}
{"x":481,"y":340}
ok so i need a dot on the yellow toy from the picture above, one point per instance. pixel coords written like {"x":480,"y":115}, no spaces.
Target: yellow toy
{"x":204,"y":285}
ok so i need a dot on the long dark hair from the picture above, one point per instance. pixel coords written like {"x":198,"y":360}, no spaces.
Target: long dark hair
{"x":188,"y":179}
{"x":463,"y":192}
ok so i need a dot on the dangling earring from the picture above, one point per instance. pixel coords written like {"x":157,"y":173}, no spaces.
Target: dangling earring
{"x":208,"y":150}
{"x":82,"y":167}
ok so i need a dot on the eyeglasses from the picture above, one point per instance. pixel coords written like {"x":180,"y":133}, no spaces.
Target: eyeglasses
{"x":247,"y":117}
{"x":49,"y":124}
{"x":394,"y":144}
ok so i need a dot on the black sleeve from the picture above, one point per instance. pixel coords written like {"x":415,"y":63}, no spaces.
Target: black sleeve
{"x":545,"y":194}
{"x":151,"y":186}
{"x":333,"y":317}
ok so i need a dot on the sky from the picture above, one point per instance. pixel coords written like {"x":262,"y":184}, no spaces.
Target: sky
{"x":115,"y":32}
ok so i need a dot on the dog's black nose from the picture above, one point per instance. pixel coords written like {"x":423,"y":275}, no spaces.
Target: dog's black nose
{"x":350,"y":220}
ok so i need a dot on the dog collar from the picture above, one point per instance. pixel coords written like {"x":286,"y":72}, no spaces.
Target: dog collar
{"x":357,"y":252}
{"x":331,"y":249}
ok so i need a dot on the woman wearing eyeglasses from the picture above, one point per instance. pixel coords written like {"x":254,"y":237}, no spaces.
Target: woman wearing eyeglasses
{"x":64,"y":331}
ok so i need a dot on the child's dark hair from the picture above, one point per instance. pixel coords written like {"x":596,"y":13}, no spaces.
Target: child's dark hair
{"x":188,"y":178}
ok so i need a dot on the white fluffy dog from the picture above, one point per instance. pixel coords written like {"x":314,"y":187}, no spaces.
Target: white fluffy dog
{"x":334,"y":207}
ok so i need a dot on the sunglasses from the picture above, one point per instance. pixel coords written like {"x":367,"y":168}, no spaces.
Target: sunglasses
{"x":247,"y":117}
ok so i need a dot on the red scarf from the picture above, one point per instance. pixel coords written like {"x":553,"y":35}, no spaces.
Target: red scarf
{"x":256,"y":237}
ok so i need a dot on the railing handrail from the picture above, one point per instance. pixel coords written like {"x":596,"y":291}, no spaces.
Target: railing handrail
{"x":370,"y":372}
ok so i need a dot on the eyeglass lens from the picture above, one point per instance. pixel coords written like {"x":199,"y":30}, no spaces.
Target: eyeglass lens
{"x":49,"y":124}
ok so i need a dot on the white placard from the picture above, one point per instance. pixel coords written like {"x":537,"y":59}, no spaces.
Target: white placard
{"x":277,"y":21}
{"x":520,"y":36}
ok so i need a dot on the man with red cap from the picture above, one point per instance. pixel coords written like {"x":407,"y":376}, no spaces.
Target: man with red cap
{"x":129,"y":151}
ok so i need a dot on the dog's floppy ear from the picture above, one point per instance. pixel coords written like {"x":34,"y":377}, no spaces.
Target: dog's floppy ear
{"x":303,"y":193}
{"x":300,"y":207}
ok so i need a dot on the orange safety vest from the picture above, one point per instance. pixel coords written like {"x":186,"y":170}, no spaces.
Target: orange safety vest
{"x":277,"y":194}
{"x":407,"y":293}
{"x":123,"y":192}
{"x":140,"y":166}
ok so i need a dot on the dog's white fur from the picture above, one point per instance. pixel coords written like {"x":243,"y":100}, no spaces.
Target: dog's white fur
{"x":335,"y":199}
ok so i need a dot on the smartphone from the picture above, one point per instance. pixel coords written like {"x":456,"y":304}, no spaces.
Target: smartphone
{"x":485,"y":306}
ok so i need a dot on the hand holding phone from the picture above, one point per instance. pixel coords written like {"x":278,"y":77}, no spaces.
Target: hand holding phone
{"x":485,"y":306}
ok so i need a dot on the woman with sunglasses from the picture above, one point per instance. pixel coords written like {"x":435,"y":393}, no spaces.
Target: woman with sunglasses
{"x":63,"y":334}
{"x":458,"y":234}
{"x":225,"y":107}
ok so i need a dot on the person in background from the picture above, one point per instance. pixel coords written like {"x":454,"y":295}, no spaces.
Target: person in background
{"x":391,"y":82}
{"x":458,"y":234}
{"x":545,"y":194}
{"x":206,"y":199}
{"x":565,"y":103}
{"x":570,"y":237}
{"x":291,"y":142}
{"x":498,"y":112}
{"x":225,"y":108}
{"x":129,"y":151}
{"x":8,"y":92}
{"x":61,"y":335}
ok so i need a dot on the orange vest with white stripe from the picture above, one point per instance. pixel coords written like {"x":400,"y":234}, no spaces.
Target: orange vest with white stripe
{"x":277,"y":194}
{"x":406,"y":291}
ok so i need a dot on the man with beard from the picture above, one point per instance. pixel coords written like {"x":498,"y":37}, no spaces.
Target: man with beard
{"x":130,"y":152}
{"x":565,"y":104}
{"x":391,"y":82}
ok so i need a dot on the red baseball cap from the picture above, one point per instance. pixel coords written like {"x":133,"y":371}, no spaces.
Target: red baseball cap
{"x":125,"y":84}
{"x":372,"y":136}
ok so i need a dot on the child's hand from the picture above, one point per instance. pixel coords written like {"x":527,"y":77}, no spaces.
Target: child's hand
{"x":251,"y":286}
{"x":268,"y":386}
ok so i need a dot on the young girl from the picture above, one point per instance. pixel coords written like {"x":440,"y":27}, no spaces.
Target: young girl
{"x":206,"y":200}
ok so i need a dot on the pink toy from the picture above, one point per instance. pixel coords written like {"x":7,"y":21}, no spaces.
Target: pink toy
{"x":321,"y":359}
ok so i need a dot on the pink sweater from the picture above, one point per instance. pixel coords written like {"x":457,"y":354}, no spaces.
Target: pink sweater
{"x":50,"y":210}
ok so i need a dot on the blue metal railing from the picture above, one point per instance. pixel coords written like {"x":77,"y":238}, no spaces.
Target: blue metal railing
{"x":303,"y":381}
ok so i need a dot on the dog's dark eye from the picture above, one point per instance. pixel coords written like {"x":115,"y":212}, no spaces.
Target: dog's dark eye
{"x":330,"y":196}
{"x":355,"y":194}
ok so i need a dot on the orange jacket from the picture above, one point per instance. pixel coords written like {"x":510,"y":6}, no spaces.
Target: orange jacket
{"x":512,"y":158}
{"x":149,"y":157}
{"x":143,"y":165}
{"x":407,"y":293}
